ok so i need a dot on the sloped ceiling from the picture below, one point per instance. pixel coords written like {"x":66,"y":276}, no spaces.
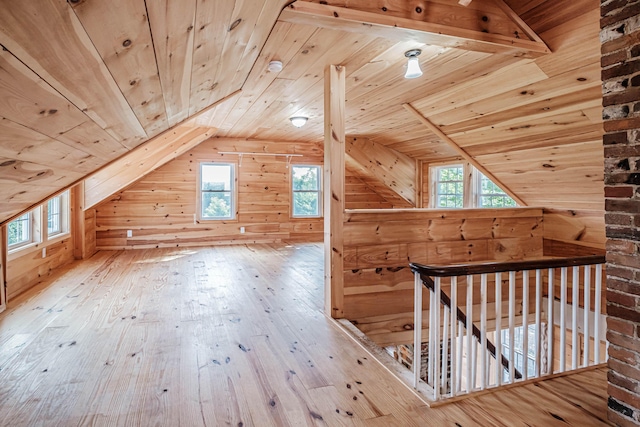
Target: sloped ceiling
{"x":83,"y":82}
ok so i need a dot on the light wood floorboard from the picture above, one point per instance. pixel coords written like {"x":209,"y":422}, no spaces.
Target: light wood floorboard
{"x":224,"y":336}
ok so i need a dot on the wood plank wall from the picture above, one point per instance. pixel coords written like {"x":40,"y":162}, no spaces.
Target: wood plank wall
{"x":358,"y":195}
{"x":380,"y":244}
{"x":160,"y":208}
{"x":29,"y":266}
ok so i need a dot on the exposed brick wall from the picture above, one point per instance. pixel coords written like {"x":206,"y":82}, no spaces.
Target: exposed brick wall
{"x":620,"y":37}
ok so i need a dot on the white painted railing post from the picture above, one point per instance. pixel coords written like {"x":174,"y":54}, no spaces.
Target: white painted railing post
{"x":575,"y":302}
{"x":470,"y":381}
{"x":596,"y":308}
{"x":563,"y":320}
{"x":587,"y":314}
{"x":436,"y":326}
{"x":538,"y":322}
{"x":499,"y":368}
{"x":454,"y":338}
{"x":512,"y":325}
{"x":417,"y":329}
{"x":483,"y":332}
{"x":550,"y":321}
{"x":525,"y":324}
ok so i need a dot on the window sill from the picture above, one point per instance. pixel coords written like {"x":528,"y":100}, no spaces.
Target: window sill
{"x":34,"y":247}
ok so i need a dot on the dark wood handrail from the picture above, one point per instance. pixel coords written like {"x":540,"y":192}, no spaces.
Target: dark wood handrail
{"x":498,"y":267}
{"x":444,"y":298}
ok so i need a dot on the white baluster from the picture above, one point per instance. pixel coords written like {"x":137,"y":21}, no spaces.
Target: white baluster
{"x":417,"y":328}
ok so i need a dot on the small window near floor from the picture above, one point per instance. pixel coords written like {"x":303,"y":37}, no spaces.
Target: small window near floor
{"x":58,"y":215}
{"x":217,"y":191}
{"x":306,"y":191}
{"x":448,"y":187}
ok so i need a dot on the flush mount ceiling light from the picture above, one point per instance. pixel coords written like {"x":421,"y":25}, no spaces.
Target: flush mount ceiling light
{"x":275,"y":66}
{"x":298,"y":121}
{"x":413,"y":66}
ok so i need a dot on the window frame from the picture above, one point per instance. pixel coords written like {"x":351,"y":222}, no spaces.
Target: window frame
{"x":35,"y":231}
{"x":318,"y":191}
{"x":471,"y":186}
{"x":233,"y":192}
{"x":63,"y":215}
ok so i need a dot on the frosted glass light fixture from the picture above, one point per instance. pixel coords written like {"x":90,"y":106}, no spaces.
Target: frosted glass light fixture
{"x":413,"y":66}
{"x":298,"y":121}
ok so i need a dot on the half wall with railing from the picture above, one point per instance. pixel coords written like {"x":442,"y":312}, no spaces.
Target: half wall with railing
{"x":500,"y":323}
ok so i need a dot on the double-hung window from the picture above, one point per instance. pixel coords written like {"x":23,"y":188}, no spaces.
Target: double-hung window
{"x":20,"y":231}
{"x":448,"y":186}
{"x":461,"y":185}
{"x":306,"y":191}
{"x":58,"y":215}
{"x":217,"y":191}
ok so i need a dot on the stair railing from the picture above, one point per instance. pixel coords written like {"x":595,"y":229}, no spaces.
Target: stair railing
{"x":525,"y":331}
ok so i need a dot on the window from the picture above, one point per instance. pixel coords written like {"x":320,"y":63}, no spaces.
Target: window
{"x":449,"y":186}
{"x":19,"y":231}
{"x":217,"y":191}
{"x":455,"y":186}
{"x":58,"y":215}
{"x":306,"y":191}
{"x":489,"y":195}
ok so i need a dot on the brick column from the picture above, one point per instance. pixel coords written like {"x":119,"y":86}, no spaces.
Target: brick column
{"x":620,"y":37}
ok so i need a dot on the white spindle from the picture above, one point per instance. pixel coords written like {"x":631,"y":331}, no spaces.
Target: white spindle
{"x":550,"y":322}
{"x":575,"y":302}
{"x":445,"y":350}
{"x":538,"y":320}
{"x":525,"y":323}
{"x":454,"y":338}
{"x":587,"y":314}
{"x":474,"y":358}
{"x":596,"y":311}
{"x":563,"y":320}
{"x":470,"y":361}
{"x":459,"y":364}
{"x":483,"y":332}
{"x":433,"y":309}
{"x":498,"y":329}
{"x":417,"y":329}
{"x":436,"y":327}
{"x":512,"y":324}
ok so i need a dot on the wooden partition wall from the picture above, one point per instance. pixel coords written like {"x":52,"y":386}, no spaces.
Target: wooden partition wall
{"x":379,"y":245}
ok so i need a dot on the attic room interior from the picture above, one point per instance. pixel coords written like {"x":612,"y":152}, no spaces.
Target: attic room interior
{"x":222,"y":212}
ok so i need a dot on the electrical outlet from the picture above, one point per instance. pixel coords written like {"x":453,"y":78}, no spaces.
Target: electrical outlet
{"x":241,"y":230}
{"x":129,"y":233}
{"x":44,"y":252}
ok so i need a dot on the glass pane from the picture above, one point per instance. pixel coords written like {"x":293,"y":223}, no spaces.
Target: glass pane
{"x":305,"y":178}
{"x":216,"y":177}
{"x":19,"y":230}
{"x":53,"y":215}
{"x":492,"y":196}
{"x":216,"y":205}
{"x":305,"y":204}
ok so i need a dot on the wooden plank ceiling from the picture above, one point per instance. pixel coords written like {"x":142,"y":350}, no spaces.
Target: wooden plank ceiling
{"x":84,"y":82}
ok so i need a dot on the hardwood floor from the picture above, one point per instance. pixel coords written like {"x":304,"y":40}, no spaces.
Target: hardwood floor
{"x":224,"y":336}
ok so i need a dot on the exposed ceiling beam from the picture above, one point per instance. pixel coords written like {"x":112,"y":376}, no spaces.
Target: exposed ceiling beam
{"x":440,"y":134}
{"x":141,"y":161}
{"x":420,"y":31}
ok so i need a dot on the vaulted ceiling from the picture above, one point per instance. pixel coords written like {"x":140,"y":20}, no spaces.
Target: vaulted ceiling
{"x":84,"y":82}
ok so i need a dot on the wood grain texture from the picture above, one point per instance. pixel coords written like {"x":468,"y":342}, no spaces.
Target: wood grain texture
{"x":395,"y":170}
{"x":379,"y":245}
{"x":193,"y":337}
{"x":141,"y":161}
{"x":334,"y":188}
{"x":160,"y":207}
